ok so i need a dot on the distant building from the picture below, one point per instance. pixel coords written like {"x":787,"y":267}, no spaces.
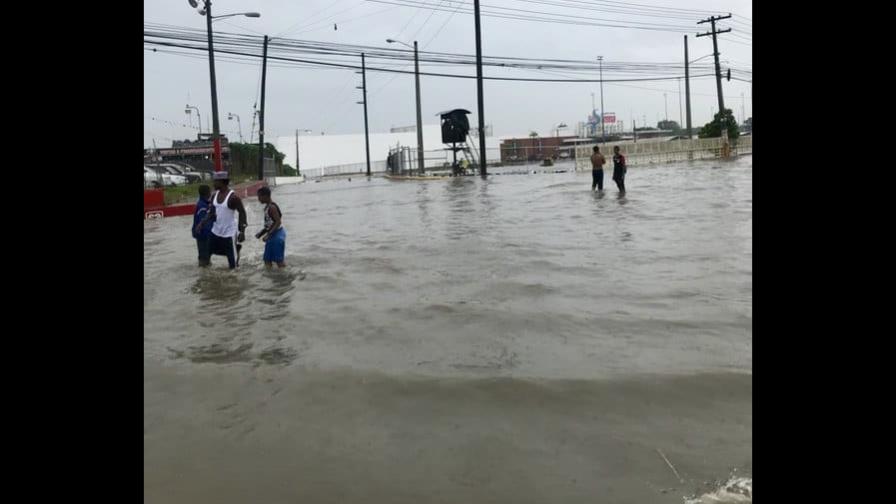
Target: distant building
{"x":519,"y":150}
{"x":196,"y":153}
{"x":645,"y":133}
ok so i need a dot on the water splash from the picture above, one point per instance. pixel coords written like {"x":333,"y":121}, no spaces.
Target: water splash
{"x":737,"y":490}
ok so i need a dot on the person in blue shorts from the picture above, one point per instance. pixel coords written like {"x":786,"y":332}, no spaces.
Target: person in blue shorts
{"x":203,"y":233}
{"x":273,"y":234}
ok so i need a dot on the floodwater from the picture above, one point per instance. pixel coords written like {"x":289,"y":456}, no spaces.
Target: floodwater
{"x":519,"y":339}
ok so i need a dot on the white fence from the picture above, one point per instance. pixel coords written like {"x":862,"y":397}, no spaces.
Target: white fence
{"x":649,"y":152}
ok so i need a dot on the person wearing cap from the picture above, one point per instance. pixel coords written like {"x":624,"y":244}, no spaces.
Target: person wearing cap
{"x":227,"y":232}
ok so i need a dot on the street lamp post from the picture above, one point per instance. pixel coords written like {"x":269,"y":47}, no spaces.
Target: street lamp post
{"x":420,"y":157}
{"x":206,"y":11}
{"x":603,"y":131}
{"x":297,"y":150}
{"x":230,"y":116}
{"x":189,"y":108}
{"x":665,"y":107}
{"x":559,"y":127}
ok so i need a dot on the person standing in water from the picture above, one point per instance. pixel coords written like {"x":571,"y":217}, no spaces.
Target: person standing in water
{"x":273,"y":235}
{"x":619,"y":169}
{"x":597,"y":169}
{"x":202,"y":233}
{"x":227,"y":233}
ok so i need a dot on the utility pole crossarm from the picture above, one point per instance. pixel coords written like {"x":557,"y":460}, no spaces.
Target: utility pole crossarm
{"x":714,"y":18}
{"x":707,"y":34}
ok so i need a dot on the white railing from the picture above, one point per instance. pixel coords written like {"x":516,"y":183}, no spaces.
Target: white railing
{"x":649,"y":152}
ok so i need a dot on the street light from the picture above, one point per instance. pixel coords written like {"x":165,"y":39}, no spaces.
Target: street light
{"x":603,"y":131}
{"x":230,"y":116}
{"x":420,"y":158}
{"x":559,"y":127}
{"x":297,"y":149}
{"x":247,"y":14}
{"x":206,"y":10}
{"x":188,"y":110}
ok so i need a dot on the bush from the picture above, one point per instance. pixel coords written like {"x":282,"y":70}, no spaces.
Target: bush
{"x":714,"y":128}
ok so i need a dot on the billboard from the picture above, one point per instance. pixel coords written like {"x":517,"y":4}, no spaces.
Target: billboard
{"x":610,"y":118}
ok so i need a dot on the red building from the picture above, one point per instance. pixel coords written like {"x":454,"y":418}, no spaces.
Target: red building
{"x":520,"y":150}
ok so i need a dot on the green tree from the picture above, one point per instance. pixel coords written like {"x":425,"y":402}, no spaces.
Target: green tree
{"x":713,"y":129}
{"x":289,"y":171}
{"x":244,"y":157}
{"x":533,"y":134}
{"x":668,"y":125}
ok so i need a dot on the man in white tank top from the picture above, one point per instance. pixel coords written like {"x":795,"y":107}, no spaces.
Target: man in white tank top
{"x":227,"y":232}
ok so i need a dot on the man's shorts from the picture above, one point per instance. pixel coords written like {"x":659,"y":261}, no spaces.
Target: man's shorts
{"x":275,"y":247}
{"x":225,"y":246}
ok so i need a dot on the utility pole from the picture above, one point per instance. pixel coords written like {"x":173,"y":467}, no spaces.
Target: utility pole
{"x":254,"y":116}
{"x":216,"y":129}
{"x":363,"y":88}
{"x":715,"y":49}
{"x":687,"y":87}
{"x":297,"y":153}
{"x":482,"y":160}
{"x":264,"y":73}
{"x":680,"y":115}
{"x":421,"y":160}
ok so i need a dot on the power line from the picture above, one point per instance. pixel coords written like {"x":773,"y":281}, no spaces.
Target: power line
{"x":431,"y":74}
{"x":332,"y":52}
{"x":588,"y":6}
{"x":392,"y":79}
{"x":574,"y":20}
{"x":306,"y":22}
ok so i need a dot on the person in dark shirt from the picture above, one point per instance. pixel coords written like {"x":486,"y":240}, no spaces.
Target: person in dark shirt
{"x":619,"y":169}
{"x":202,"y":233}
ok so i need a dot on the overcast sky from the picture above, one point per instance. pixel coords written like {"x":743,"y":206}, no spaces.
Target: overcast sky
{"x":324,"y":99}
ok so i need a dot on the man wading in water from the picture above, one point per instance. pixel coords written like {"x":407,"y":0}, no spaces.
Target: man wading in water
{"x":619,"y":169}
{"x":597,"y":169}
{"x":226,"y":233}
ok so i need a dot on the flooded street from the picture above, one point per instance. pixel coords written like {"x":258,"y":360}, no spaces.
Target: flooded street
{"x":510,"y":340}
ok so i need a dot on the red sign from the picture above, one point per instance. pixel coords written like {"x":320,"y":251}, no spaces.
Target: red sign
{"x":610,"y":117}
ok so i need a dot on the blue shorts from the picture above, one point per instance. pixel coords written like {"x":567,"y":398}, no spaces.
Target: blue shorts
{"x":275,"y":247}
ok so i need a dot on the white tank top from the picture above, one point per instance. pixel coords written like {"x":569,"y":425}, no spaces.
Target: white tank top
{"x":225,"y":218}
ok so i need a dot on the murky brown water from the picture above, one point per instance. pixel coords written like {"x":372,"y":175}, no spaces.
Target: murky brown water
{"x":518,"y":339}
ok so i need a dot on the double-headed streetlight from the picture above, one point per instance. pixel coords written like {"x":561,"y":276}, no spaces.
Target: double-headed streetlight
{"x":560,"y":127}
{"x":230,"y":116}
{"x":188,"y":109}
